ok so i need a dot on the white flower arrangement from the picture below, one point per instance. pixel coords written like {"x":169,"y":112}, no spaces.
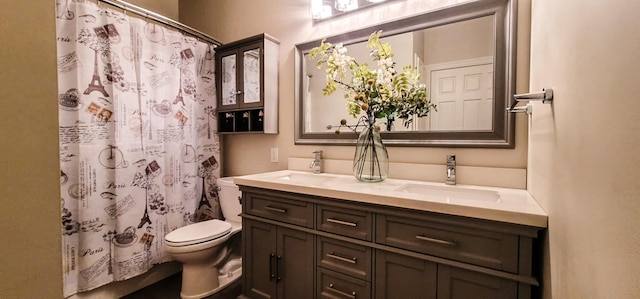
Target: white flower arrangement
{"x":383,"y":92}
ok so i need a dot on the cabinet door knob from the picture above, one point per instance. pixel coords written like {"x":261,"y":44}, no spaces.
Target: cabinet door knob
{"x":239,"y":92}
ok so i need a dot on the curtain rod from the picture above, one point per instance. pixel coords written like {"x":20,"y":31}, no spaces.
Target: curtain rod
{"x":161,"y":19}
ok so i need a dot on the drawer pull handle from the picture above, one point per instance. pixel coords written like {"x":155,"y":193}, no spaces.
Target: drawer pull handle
{"x":279,"y":210}
{"x":438,"y":241}
{"x":344,"y":259}
{"x":347,"y":223}
{"x":352,"y":295}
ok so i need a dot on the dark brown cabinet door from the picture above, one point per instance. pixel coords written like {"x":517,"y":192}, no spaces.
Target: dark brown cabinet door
{"x":259,"y":259}
{"x":454,"y":283}
{"x":294,"y":264}
{"x":403,"y":277}
{"x":278,"y":262}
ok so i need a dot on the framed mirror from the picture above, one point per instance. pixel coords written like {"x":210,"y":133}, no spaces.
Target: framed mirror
{"x":466,"y":58}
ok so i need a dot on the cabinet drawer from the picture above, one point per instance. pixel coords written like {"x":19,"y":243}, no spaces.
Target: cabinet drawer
{"x":339,"y":286}
{"x":280,"y":209}
{"x":472,"y":245}
{"x":346,"y":258}
{"x":345,"y":222}
{"x":454,"y":283}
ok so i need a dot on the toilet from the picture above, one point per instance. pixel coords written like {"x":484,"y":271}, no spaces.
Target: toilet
{"x":210,"y":250}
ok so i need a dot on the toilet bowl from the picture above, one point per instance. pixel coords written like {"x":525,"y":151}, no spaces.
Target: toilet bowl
{"x":210,"y":250}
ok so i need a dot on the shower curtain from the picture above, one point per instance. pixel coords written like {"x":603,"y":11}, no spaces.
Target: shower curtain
{"x":139,"y":148}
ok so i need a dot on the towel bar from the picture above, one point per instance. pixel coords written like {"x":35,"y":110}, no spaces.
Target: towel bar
{"x":546,"y":96}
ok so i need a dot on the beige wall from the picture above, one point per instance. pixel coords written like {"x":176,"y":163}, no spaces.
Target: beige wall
{"x":584,"y":151}
{"x":288,"y":20}
{"x":30,"y":223}
{"x":459,"y":41}
{"x":167,"y":8}
{"x":29,"y":166}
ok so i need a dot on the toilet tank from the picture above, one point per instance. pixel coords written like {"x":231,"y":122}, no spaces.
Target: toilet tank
{"x":229,"y":199}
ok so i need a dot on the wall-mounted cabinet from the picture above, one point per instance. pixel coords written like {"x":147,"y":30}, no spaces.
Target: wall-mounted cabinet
{"x":247,"y":85}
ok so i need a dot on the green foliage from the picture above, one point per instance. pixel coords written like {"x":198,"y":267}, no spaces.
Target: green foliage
{"x":380,"y":92}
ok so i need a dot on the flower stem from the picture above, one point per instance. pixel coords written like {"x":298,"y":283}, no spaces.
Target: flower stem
{"x":368,"y":153}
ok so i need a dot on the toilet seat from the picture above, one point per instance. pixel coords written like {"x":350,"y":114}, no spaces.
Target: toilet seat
{"x":198,"y":233}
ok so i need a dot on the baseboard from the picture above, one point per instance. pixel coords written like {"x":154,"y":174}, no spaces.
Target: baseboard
{"x":122,"y":288}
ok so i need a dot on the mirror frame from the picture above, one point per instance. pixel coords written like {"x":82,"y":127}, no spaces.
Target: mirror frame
{"x":503,"y":133}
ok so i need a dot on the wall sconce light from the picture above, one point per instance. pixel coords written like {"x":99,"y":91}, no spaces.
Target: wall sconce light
{"x":324,"y":9}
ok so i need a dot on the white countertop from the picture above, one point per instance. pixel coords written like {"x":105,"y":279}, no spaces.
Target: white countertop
{"x":499,"y":204}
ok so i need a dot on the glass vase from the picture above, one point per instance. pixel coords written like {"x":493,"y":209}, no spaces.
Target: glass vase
{"x":371,"y":159}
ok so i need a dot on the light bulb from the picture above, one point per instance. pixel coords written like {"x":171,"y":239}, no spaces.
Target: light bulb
{"x":319,"y":10}
{"x":346,"y":5}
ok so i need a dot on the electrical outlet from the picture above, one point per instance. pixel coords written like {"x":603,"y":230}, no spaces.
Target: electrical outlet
{"x":274,"y":154}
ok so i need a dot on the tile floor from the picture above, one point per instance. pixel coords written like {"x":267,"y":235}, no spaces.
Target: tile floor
{"x":169,"y":288}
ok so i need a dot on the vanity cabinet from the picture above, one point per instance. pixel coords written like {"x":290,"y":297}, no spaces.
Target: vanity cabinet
{"x":346,"y":250}
{"x":247,"y":85}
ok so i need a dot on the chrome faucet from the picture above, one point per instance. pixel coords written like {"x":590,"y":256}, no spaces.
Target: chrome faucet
{"x":451,"y":169}
{"x":316,"y":164}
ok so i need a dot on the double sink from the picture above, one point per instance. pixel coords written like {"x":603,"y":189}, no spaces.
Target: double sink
{"x":428,"y":191}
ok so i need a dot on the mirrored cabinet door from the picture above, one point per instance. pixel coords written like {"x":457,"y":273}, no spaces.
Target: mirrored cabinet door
{"x":251,"y":80}
{"x":229,"y":86}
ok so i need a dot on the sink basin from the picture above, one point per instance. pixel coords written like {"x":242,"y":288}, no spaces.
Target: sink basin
{"x":451,"y":193}
{"x":304,"y":178}
{"x":351,"y":183}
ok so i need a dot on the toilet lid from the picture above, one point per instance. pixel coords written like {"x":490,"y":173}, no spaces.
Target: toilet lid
{"x":198,"y":232}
